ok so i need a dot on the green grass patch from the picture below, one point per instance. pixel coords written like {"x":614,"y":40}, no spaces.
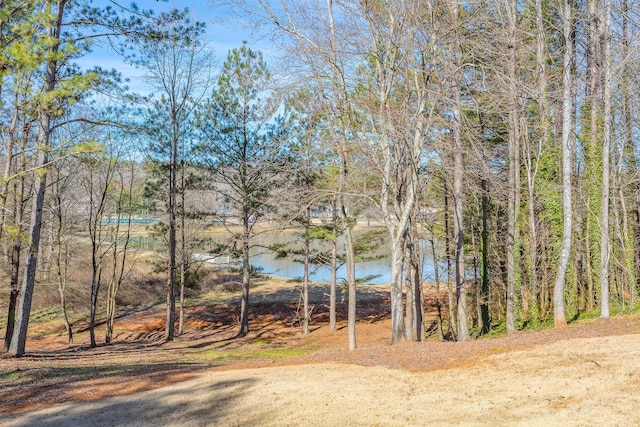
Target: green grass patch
{"x":500,"y":328}
{"x":228,"y":356}
{"x":46,"y":315}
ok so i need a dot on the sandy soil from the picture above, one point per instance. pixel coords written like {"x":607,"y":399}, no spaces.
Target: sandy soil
{"x":581,"y":382}
{"x":586,"y":374}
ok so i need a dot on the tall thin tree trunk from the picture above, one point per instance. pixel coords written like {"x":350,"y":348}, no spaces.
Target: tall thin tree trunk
{"x":514,"y":166}
{"x":183,"y":277}
{"x":19,"y":338}
{"x":416,"y":272}
{"x":476,"y":316}
{"x":351,"y":278}
{"x":447,"y":250}
{"x":484,"y":288}
{"x":632,"y":235}
{"x":244,"y":305}
{"x":558,"y":293}
{"x":458,"y":177}
{"x":185,"y":261}
{"x":349,"y":250}
{"x":397,"y":305}
{"x":592,"y":161}
{"x":410,"y":314}
{"x":436,"y":277}
{"x":96,"y":281}
{"x":334,"y":257}
{"x":18,"y":341}
{"x":341,"y":99}
{"x":605,"y":244}
{"x":11,"y":316}
{"x":458,"y":229}
{"x":171,"y":285}
{"x":461,"y":291}
{"x":15,"y":257}
{"x":62,"y":264}
{"x":111,"y":285}
{"x":544,"y":129}
{"x":305,"y":279}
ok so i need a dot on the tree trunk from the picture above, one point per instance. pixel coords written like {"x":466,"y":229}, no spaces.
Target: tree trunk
{"x":436,"y":274}
{"x":476,"y":316}
{"x":484,"y":287}
{"x":18,"y":341}
{"x":544,"y":129}
{"x":171,"y":286}
{"x":458,"y":230}
{"x":96,"y":281}
{"x":334,"y":257}
{"x":185,"y":259}
{"x":19,"y":337}
{"x":458,"y":175}
{"x":633,"y":235}
{"x":514,"y":166}
{"x":15,"y":261}
{"x":416,"y":273}
{"x":605,"y":243}
{"x":97,"y":254}
{"x":410,"y":313}
{"x":11,"y":316}
{"x":558,"y":293}
{"x":305,"y":279}
{"x":447,"y":250}
{"x":351,"y":279}
{"x":593,"y":161}
{"x":183,"y":277}
{"x":61,"y":267}
{"x":246,"y":280}
{"x":341,"y":104}
{"x":397,"y":306}
{"x":117,"y":265}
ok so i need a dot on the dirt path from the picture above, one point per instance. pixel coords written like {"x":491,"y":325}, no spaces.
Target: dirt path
{"x":579,"y":382}
{"x":582,"y":375}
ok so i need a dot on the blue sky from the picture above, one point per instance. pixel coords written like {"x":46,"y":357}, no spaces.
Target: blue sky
{"x":221,"y":36}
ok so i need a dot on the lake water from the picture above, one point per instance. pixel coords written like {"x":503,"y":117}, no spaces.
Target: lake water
{"x":378,"y":271}
{"x":294,"y":270}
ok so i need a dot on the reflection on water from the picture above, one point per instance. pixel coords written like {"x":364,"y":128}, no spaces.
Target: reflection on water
{"x":378,"y":271}
{"x":291,"y":269}
{"x":381,"y":269}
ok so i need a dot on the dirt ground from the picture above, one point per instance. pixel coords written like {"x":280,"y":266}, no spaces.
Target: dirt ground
{"x":585,"y":374}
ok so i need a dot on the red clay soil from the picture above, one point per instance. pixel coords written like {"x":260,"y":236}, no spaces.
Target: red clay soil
{"x":53,"y":372}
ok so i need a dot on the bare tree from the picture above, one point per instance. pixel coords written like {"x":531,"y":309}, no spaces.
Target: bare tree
{"x":400,"y":124}
{"x":127,"y":193}
{"x":58,"y":31}
{"x":514,"y":160}
{"x":605,"y":244}
{"x":52,"y":33}
{"x":62,"y":203}
{"x":455,"y":54}
{"x":313,"y":34}
{"x":558,"y":293}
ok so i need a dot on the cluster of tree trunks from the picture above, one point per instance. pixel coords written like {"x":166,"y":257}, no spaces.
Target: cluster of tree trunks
{"x":495,"y":138}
